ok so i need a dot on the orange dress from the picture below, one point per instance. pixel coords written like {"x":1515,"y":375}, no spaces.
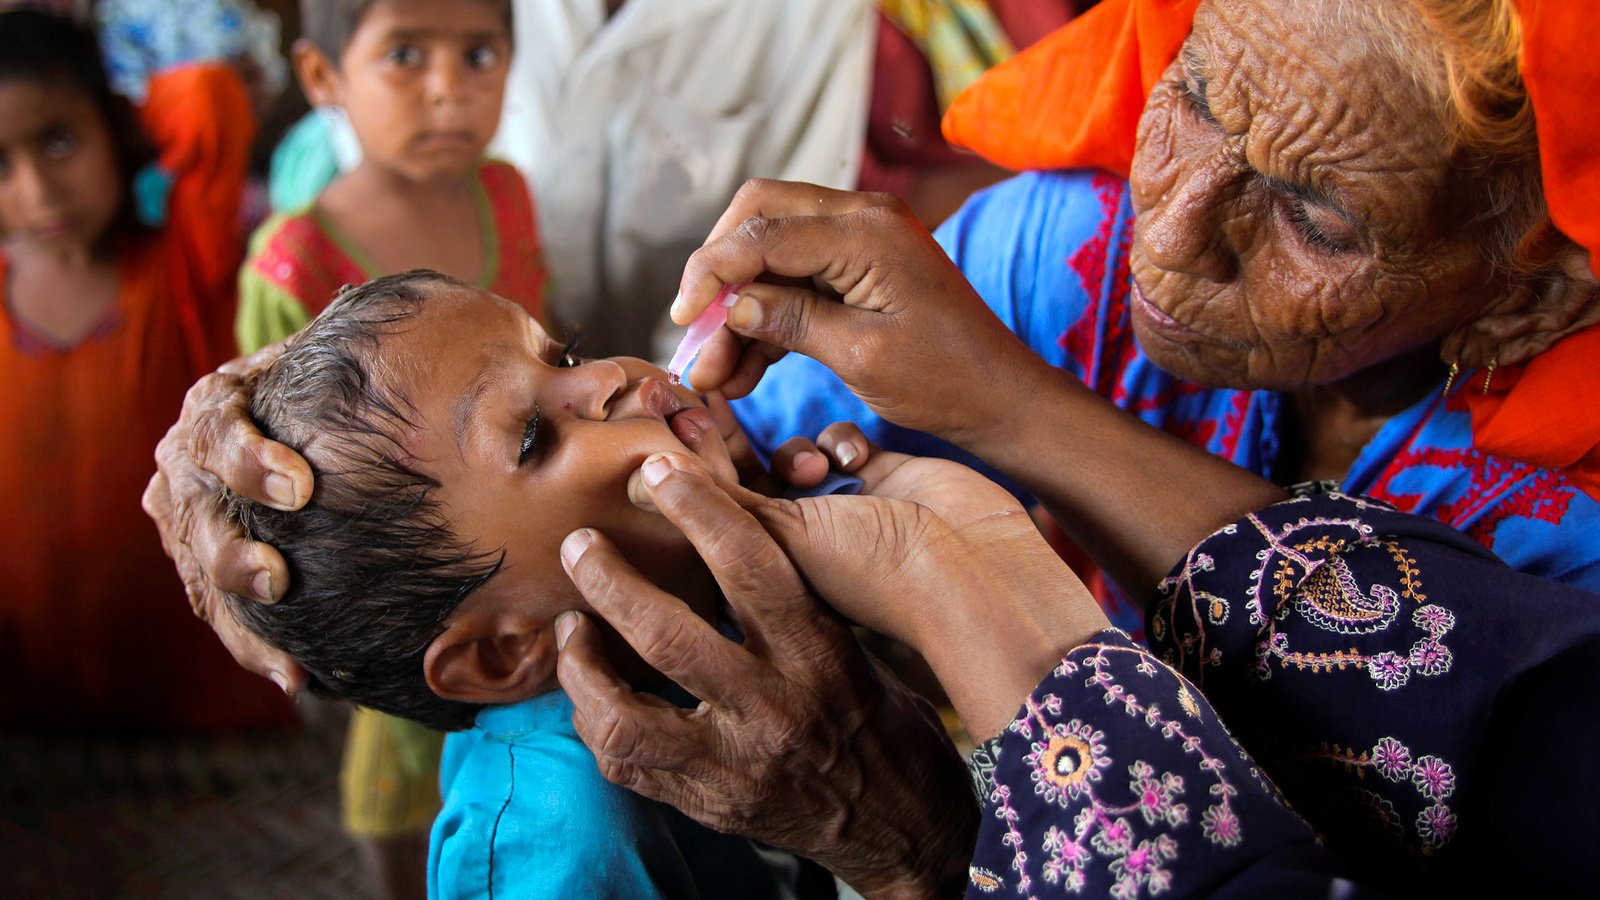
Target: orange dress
{"x":94,"y":626}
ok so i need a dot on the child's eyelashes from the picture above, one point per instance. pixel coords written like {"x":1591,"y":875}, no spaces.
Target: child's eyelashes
{"x":565,"y":359}
{"x":530,"y":437}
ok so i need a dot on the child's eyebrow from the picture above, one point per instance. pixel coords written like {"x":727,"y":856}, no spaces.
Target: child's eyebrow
{"x":422,"y":34}
{"x":465,"y":409}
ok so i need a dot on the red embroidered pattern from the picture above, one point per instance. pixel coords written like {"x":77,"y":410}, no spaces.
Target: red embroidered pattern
{"x":1492,"y":495}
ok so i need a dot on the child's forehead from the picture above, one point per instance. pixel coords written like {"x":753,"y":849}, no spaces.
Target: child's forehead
{"x":442,"y":18}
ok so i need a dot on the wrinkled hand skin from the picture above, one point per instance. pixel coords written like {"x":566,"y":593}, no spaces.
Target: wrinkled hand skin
{"x":213,"y":444}
{"x":802,"y":740}
{"x":877,"y":301}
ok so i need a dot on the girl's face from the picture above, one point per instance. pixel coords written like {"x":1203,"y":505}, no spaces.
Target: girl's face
{"x":59,"y":182}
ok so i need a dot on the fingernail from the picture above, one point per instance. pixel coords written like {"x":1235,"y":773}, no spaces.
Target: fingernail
{"x":846,"y":454}
{"x":572,"y":549}
{"x":677,"y":306}
{"x":803,"y":457}
{"x":656,"y":469}
{"x":564,"y":625}
{"x":637,"y":495}
{"x":261,"y":586}
{"x":731,"y":299}
{"x":745,"y":314}
{"x":279,"y":489}
{"x":280,"y":680}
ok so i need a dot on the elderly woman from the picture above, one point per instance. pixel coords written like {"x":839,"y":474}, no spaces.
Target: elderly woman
{"x":1324,"y":216}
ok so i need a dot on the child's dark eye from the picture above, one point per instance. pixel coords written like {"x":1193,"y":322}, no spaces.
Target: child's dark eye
{"x":483,"y":57}
{"x":405,"y":55}
{"x":530,"y":437}
{"x":60,"y":144}
{"x":566,"y":359}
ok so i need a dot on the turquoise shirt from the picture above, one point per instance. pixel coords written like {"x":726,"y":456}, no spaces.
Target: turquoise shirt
{"x":527,"y":814}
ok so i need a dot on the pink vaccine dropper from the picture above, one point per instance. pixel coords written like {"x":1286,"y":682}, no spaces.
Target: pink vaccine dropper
{"x":701,"y":330}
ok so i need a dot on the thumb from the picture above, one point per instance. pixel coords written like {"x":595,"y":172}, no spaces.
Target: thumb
{"x":802,"y":321}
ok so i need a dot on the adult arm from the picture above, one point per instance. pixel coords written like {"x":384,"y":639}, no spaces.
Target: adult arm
{"x":890,"y":314}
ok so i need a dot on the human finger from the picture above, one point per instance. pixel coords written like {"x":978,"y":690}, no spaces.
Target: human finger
{"x":699,"y":431}
{"x":770,"y":600}
{"x":615,"y":721}
{"x":662,"y":629}
{"x":224,"y":441}
{"x":767,"y":198}
{"x":185,"y":503}
{"x":845,"y":444}
{"x":836,"y":252}
{"x":798,"y":462}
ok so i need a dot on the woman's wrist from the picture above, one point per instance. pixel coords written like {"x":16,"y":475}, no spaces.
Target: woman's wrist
{"x":1001,"y":629}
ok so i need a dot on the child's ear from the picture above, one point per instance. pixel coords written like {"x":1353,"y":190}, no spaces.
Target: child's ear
{"x":491,"y":654}
{"x":318,"y":75}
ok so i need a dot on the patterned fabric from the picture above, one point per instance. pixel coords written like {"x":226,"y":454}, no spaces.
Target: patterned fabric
{"x":1419,"y":703}
{"x":1048,"y":251}
{"x":142,"y":37}
{"x":1117,"y":780}
{"x":298,"y":262}
{"x":960,"y":39}
{"x":528,"y":815}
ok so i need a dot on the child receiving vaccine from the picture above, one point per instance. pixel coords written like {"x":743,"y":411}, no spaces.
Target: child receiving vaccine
{"x":420,"y":82}
{"x":116,"y":274}
{"x":455,"y":444}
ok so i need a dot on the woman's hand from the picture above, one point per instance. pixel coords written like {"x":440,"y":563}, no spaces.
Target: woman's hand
{"x":885,"y":309}
{"x":942,"y":559}
{"x":214,"y":443}
{"x":801,"y":740}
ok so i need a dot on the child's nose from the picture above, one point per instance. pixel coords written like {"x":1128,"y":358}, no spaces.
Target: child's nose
{"x":590,"y":390}
{"x":447,"y":82}
{"x":33,"y":182}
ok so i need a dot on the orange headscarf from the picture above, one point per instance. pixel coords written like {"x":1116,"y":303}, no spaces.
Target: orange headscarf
{"x":1073,"y":100}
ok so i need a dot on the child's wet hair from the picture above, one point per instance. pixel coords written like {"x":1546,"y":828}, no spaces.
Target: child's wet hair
{"x":330,"y":24}
{"x":50,"y":49}
{"x":375,"y":568}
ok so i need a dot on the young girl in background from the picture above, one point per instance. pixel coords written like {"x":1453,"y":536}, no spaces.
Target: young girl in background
{"x":116,"y":272}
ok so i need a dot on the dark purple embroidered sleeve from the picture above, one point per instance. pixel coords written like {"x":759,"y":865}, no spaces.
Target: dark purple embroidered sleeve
{"x":1422,"y":705}
{"x":1116,"y":779}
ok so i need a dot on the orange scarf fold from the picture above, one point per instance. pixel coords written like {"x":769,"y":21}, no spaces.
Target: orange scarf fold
{"x":1073,"y":100}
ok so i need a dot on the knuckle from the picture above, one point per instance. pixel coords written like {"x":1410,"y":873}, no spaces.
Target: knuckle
{"x":754,"y":230}
{"x":616,"y":739}
{"x":666,"y":642}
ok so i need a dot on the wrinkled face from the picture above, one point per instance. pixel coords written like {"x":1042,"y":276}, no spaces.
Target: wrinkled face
{"x":530,"y":444}
{"x":422,"y":82}
{"x":1298,"y":219}
{"x":59,"y":184}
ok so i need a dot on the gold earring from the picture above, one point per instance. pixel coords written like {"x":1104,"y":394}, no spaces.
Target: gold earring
{"x":1489,"y":375}
{"x":1450,"y":380}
